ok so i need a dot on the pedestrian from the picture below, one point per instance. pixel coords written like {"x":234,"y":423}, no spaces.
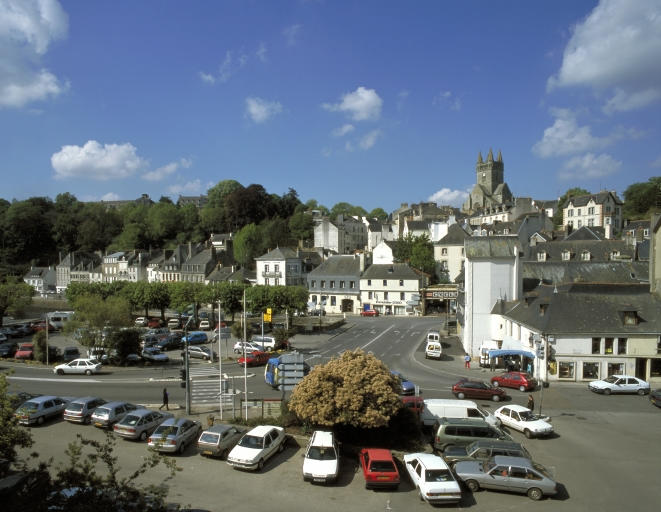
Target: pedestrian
{"x":531,"y":403}
{"x":467,"y":361}
{"x":165,"y":400}
{"x":492,"y":363}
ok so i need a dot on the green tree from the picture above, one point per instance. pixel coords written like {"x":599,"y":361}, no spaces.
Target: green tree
{"x":65,"y":226}
{"x":403,"y":248}
{"x":12,"y":435}
{"x":379,"y":214}
{"x":163,"y":223}
{"x":27,"y":227}
{"x":422,"y":254}
{"x":248,"y":245}
{"x":347,"y":209}
{"x":124,"y":342}
{"x":572,"y":192}
{"x":97,"y":227}
{"x":642,"y":199}
{"x":356,"y":389}
{"x":15,"y":295}
{"x":275,"y":233}
{"x":301,"y":226}
{"x":98,"y":314}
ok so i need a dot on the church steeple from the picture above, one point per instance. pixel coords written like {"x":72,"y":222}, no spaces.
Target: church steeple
{"x":500,"y":156}
{"x":479,"y":157}
{"x":490,"y":156}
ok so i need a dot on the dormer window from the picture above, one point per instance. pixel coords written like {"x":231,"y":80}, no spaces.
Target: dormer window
{"x":566,"y":255}
{"x":631,"y":318}
{"x":541,"y":256}
{"x":586,"y":256}
{"x":542,"y":309}
{"x":615,"y":255}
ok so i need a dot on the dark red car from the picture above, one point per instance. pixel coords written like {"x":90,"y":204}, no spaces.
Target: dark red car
{"x":25,"y":351}
{"x":369,"y":312}
{"x":518,"y":380}
{"x":379,"y":468}
{"x":255,"y":358}
{"x":154,"y":323}
{"x":477,"y":389}
{"x":414,"y":403}
{"x":41,"y":326}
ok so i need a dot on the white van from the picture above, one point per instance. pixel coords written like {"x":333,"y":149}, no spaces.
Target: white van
{"x":433,"y":347}
{"x":435,"y":408}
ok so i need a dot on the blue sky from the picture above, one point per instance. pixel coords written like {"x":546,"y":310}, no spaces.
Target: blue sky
{"x":375,"y":103}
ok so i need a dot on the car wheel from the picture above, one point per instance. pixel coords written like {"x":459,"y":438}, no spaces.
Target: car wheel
{"x":87,"y":420}
{"x":607,"y":391}
{"x":422,"y":498}
{"x":527,"y":433}
{"x":223,"y":454}
{"x":535,"y":493}
{"x":495,"y":383}
{"x":60,"y":372}
{"x":472,"y":485}
{"x":40,"y":420}
{"x":143,"y":435}
{"x":281,"y":447}
{"x":641,"y":391}
{"x":461,"y":396}
{"x":522,"y":388}
{"x":495,"y":398}
{"x":88,"y":372}
{"x":182,"y":448}
{"x":260,"y":464}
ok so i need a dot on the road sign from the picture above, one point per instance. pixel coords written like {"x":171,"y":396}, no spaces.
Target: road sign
{"x":267,"y":315}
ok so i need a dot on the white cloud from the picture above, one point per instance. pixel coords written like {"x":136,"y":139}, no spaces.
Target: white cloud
{"x":589,"y":166}
{"x":261,"y":52}
{"x":361,"y":105}
{"x":166,"y":170}
{"x":260,"y":110}
{"x":402,"y":96}
{"x":657,"y":162}
{"x":343,"y":130}
{"x":447,"y":196}
{"x":447,"y":98}
{"x":616,"y":47}
{"x":565,"y":136}
{"x":189,"y":188}
{"x":291,"y":34}
{"x":110,"y":196}
{"x":27,"y":27}
{"x":370,"y":139}
{"x":206,"y":77}
{"x":97,"y":162}
{"x":227,"y":68}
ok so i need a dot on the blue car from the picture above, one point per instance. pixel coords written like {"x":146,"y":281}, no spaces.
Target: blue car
{"x":195,"y":338}
{"x":408,"y":388}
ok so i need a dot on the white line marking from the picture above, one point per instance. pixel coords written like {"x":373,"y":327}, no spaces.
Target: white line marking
{"x":55,"y":380}
{"x":370,"y":342}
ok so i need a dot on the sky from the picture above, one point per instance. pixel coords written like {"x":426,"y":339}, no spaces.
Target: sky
{"x":374,"y":103}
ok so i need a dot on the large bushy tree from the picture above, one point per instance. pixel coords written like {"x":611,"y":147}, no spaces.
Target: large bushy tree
{"x":642,"y":199}
{"x":15,"y":295}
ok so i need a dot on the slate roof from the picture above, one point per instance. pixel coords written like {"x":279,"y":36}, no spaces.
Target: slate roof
{"x":587,"y":233}
{"x":36,"y":272}
{"x":389,"y":271}
{"x":600,"y":250}
{"x":279,"y":253}
{"x":201,"y":257}
{"x":491,"y":246}
{"x":455,"y":236}
{"x":586,"y":272}
{"x":598,"y":198}
{"x":341,"y":265}
{"x":586,"y":309}
{"x":643,"y":250}
{"x":417,"y":225}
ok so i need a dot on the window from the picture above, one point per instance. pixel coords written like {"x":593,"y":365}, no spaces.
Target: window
{"x":566,"y":369}
{"x":566,"y":255}
{"x":369,"y":282}
{"x":276,"y":268}
{"x":444,"y":251}
{"x":401,"y":282}
{"x":590,"y":370}
{"x":630,"y":318}
{"x":462,"y":251}
{"x":369,"y":295}
{"x":332,"y":284}
{"x":385,"y":295}
{"x":585,"y":256}
{"x":590,"y":222}
{"x":341,"y":284}
{"x":570,"y":213}
{"x":352,"y":284}
{"x":655,"y":367}
{"x":591,"y":210}
{"x":579,"y":223}
{"x":596,"y":345}
{"x":313,"y":283}
{"x":615,"y":369}
{"x":608,"y":220}
{"x":323,"y":283}
{"x":615,"y":255}
{"x":607,"y":209}
{"x":608,"y":345}
{"x":621,"y":346}
{"x":646,"y":232}
{"x":385,"y":282}
{"x":541,"y":256}
{"x":332,"y":300}
{"x":402,"y":296}
{"x":570,"y":223}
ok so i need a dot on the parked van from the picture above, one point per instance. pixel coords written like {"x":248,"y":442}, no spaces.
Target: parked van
{"x":433,"y":347}
{"x":436,"y":408}
{"x":267,"y":342}
{"x":463,"y":431}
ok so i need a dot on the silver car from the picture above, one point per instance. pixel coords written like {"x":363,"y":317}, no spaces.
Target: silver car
{"x":140,"y":423}
{"x":80,"y":410}
{"x":513,"y":474}
{"x":174,"y":434}
{"x":37,"y":410}
{"x":108,"y":414}
{"x":218,"y":440}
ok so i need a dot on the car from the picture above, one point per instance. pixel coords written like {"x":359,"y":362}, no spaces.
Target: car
{"x":477,"y":389}
{"x":80,"y":410}
{"x":106,"y":415}
{"x":198,"y":352}
{"x":154,"y":355}
{"x":518,"y":380}
{"x":655,"y":397}
{"x":522,"y":419}
{"x":23,"y":329}
{"x":8,"y":349}
{"x":79,"y":366}
{"x":433,"y":347}
{"x":321,"y":461}
{"x":619,"y":384}
{"x":3,"y":338}
{"x":463,"y":431}
{"x":369,"y":312}
{"x":17,"y":398}
{"x":513,"y":474}
{"x":379,"y":468}
{"x":70,"y":353}
{"x":9,"y":331}
{"x":141,"y":321}
{"x":204,"y":325}
{"x":24,"y":351}
{"x":256,"y":447}
{"x":41,"y":326}
{"x":174,"y":435}
{"x":218,"y":440}
{"x":483,"y":450}
{"x":414,"y":403}
{"x":154,"y":323}
{"x":39,"y":409}
{"x":195,"y":338}
{"x":248,"y":346}
{"x":407,"y":387}
{"x":169,"y":342}
{"x":140,"y":423}
{"x":254,"y":358}
{"x":174,"y":323}
{"x":432,"y":478}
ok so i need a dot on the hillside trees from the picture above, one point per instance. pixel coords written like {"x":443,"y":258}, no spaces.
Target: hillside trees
{"x":15,"y":295}
{"x":642,"y":199}
{"x":248,"y":245}
{"x":356,"y":389}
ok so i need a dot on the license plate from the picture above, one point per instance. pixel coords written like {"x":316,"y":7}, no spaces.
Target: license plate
{"x":98,"y":424}
{"x":383,"y":478}
{"x":207,"y":452}
{"x":318,"y":479}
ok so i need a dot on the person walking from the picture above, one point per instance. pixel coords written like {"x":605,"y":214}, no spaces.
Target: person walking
{"x":531,"y":403}
{"x":165,"y":400}
{"x":467,"y":361}
{"x":492,"y":363}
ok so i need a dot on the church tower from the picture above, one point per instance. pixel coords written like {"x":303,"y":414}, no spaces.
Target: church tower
{"x":491,"y":173}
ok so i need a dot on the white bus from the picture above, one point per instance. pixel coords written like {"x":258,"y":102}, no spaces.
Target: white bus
{"x":58,"y":319}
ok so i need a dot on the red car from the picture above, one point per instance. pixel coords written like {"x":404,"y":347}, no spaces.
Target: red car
{"x":414,"y":403}
{"x":25,"y":351}
{"x":40,"y":326}
{"x":379,"y":468}
{"x":518,"y":380}
{"x":154,"y":323}
{"x":477,"y":389}
{"x":255,"y":358}
{"x":369,"y":312}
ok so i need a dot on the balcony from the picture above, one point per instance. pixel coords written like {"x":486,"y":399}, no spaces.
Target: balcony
{"x":272,"y":274}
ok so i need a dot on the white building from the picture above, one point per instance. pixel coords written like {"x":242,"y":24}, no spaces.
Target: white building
{"x":388,"y":288}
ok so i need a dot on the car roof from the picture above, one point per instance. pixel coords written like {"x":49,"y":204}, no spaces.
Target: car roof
{"x":84,"y":399}
{"x":463,"y":421}
{"x":429,"y":460}
{"x":141,"y":412}
{"x":515,"y":407}
{"x":174,"y":422}
{"x":261,"y":430}
{"x":115,"y":403}
{"x":505,"y":460}
{"x":42,"y":398}
{"x":498,"y":443}
{"x":378,"y":453}
{"x":322,"y":438}
{"x":219,"y":429}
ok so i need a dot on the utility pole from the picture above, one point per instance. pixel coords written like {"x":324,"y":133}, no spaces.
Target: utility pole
{"x":220,"y":365}
{"x":245,"y":366}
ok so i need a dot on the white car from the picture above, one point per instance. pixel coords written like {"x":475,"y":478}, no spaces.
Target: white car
{"x":141,"y":321}
{"x":79,"y":366}
{"x":522,"y":419}
{"x":620,"y":384}
{"x":154,"y":355}
{"x":432,"y":478}
{"x":321,"y":462}
{"x":249,"y":347}
{"x":204,"y":325}
{"x":256,"y":447}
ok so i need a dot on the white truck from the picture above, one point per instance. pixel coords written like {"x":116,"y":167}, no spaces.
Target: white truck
{"x":486,"y":346}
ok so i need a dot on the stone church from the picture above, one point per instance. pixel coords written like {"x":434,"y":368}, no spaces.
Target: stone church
{"x":490,"y":191}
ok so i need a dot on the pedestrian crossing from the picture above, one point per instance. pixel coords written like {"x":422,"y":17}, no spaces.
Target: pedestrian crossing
{"x":208,"y":391}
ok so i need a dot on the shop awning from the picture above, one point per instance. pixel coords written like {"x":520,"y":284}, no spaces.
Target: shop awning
{"x":510,"y":352}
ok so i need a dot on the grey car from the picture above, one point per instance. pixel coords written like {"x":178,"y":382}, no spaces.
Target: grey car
{"x":483,"y":450}
{"x":39,"y":409}
{"x":218,"y":440}
{"x":139,"y":424}
{"x":512,"y":474}
{"x":80,"y":410}
{"x":174,"y":434}
{"x":110,"y":413}
{"x":199,"y":352}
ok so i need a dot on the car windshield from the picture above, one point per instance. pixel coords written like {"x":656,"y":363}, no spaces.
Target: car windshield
{"x":165,"y":430}
{"x":541,"y":469}
{"x":382,"y":466}
{"x":321,"y":453}
{"x":251,"y":442}
{"x":527,"y":416}
{"x":29,"y":406}
{"x":131,"y":420}
{"x":75,"y":407}
{"x":437,"y":475}
{"x":612,"y":379}
{"x":101,"y":411}
{"x":209,"y":437}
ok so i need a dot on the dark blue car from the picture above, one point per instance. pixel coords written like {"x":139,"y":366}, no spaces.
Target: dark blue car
{"x":195,"y":338}
{"x":408,"y":388}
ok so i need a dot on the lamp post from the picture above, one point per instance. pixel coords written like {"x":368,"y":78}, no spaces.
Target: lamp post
{"x":186,"y":365}
{"x":220,"y":366}
{"x":245,"y":366}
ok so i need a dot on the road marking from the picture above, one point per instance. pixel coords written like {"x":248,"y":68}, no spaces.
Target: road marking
{"x":370,"y":342}
{"x":54,"y":380}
